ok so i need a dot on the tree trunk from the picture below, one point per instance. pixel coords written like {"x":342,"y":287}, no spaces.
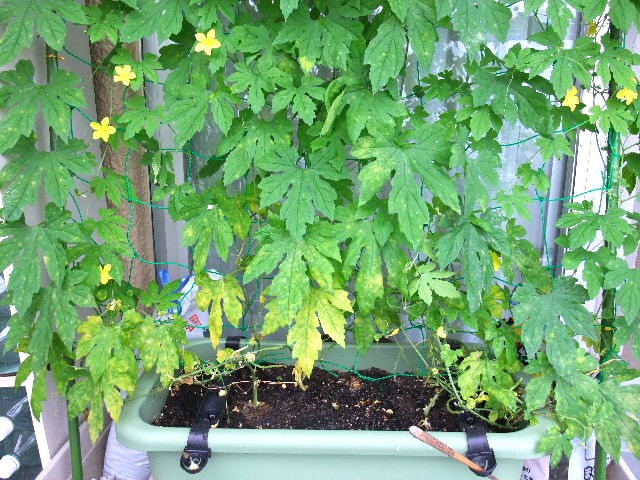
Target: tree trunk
{"x":109,"y":102}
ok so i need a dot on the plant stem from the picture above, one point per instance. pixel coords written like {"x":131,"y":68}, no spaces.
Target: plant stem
{"x":75,"y":448}
{"x":73,"y":422}
{"x":609,"y":295}
{"x":254,"y":377}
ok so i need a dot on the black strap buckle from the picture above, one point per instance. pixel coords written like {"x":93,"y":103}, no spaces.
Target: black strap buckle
{"x":479,"y":450}
{"x":196,"y":453}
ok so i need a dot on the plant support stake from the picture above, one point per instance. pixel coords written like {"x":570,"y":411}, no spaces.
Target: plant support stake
{"x":609,"y":295}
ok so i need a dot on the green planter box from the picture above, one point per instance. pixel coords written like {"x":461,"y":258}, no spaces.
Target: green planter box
{"x":313,"y":454}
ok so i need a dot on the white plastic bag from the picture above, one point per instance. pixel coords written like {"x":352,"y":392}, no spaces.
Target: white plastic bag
{"x":536,"y":469}
{"x":122,"y":463}
{"x":197,"y":320}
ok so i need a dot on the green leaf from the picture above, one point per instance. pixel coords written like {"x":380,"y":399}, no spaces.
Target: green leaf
{"x":257,"y":80}
{"x":189,"y":116}
{"x":251,"y":140}
{"x":560,"y":15}
{"x":24,"y":244}
{"x":530,"y":176}
{"x":80,"y":396}
{"x":24,"y":99}
{"x":142,"y":118}
{"x":207,"y":224}
{"x":365,"y":333}
{"x":480,"y":123}
{"x":421,"y":31}
{"x":473,"y":20}
{"x":288,"y":6}
{"x":540,"y":315}
{"x":584,"y":224}
{"x":406,"y":159}
{"x":429,"y":282}
{"x":46,"y":17}
{"x":614,"y":116}
{"x":300,"y":98}
{"x":163,"y":17}
{"x":164,"y":299}
{"x":105,"y":21}
{"x":623,"y":14}
{"x":327,"y":39}
{"x":308,"y":192}
{"x":22,"y":178}
{"x":518,"y":201}
{"x":376,"y":111}
{"x":386,"y":53}
{"x":289,"y":286}
{"x":628,"y":295}
{"x":112,"y":185}
{"x":614,"y":62}
{"x":220,"y":295}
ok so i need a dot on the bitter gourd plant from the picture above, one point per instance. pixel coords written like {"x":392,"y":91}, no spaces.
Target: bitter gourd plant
{"x":369,"y":208}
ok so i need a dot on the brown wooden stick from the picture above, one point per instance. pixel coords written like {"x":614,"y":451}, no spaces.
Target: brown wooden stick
{"x":446,"y":449}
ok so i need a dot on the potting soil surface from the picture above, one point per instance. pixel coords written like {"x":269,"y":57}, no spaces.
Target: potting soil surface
{"x":331,"y":401}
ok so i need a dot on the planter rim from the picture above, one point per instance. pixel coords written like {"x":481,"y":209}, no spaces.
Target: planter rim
{"x":134,"y":432}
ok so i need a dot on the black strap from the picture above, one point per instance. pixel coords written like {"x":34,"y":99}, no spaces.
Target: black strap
{"x":233,"y":342}
{"x":478,"y":450}
{"x":196,"y":453}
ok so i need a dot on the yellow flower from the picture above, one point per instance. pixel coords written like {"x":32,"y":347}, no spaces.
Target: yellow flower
{"x":394,"y":332}
{"x":207,"y":42}
{"x":571,"y":100}
{"x":102,"y":130}
{"x":124,"y":74}
{"x":627,"y":94}
{"x":435,"y":371}
{"x":592,"y":29}
{"x":441,"y":332}
{"x":497,"y":261}
{"x":105,"y":276}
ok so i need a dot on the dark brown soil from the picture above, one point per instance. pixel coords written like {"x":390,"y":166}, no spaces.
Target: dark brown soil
{"x":342,"y":402}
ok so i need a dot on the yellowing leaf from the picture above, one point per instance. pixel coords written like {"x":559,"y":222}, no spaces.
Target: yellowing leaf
{"x":497,"y":261}
{"x":320,"y":308}
{"x":224,"y":294}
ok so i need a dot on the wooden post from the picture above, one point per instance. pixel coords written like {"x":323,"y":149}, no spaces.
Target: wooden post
{"x":109,"y":102}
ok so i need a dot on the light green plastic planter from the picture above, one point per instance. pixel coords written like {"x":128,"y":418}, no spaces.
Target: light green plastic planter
{"x":313,"y":454}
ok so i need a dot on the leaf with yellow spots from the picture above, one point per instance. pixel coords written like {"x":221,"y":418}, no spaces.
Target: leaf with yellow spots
{"x":223,"y":295}
{"x":22,"y":178}
{"x":495,"y":301}
{"x":24,"y":99}
{"x":386,"y":53}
